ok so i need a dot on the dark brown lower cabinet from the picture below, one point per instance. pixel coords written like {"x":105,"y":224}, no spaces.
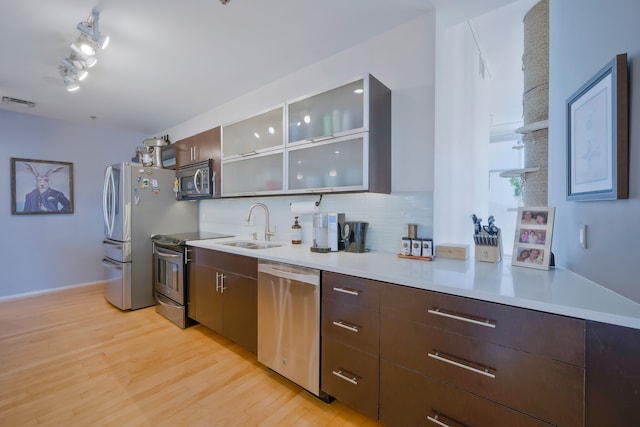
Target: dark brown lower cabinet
{"x":408,"y":398}
{"x":223,"y":295}
{"x":613,"y":376}
{"x":533,"y":384}
{"x":351,"y":376}
{"x":350,"y":335}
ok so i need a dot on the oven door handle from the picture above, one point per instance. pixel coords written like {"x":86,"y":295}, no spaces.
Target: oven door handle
{"x":158,"y":298}
{"x":168,"y":254}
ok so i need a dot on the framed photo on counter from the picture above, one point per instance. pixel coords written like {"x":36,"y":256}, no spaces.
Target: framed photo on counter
{"x":41,"y":187}
{"x":532,"y":242}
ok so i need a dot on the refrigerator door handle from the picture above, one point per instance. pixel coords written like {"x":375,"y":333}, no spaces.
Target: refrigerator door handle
{"x":108,"y":200}
{"x":117,"y":245}
{"x":110,"y":264}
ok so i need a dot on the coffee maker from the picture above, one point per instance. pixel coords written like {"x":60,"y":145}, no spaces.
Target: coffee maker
{"x":354,"y":234}
{"x":327,"y":229}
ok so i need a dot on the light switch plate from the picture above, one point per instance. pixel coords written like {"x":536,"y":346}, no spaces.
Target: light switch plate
{"x":582,"y":236}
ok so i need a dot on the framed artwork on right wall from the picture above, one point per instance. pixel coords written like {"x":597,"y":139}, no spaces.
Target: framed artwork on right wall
{"x":597,"y":136}
{"x":532,"y":242}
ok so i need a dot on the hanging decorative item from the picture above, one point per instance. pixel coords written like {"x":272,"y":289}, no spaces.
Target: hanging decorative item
{"x":597,"y":136}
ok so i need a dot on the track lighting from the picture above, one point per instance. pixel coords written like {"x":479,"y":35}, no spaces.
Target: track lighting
{"x":83,"y":51}
{"x":88,"y":60}
{"x":78,"y":73}
{"x":91,"y":29}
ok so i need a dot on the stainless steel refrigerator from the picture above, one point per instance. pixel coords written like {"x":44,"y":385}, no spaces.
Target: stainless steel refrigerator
{"x":138,"y":202}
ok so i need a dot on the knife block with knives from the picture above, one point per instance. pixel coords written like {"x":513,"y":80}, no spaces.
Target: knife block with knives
{"x":488,"y":247}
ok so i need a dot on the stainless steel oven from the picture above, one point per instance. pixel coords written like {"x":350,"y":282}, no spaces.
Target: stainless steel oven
{"x":169,"y":280}
{"x":170,"y":273}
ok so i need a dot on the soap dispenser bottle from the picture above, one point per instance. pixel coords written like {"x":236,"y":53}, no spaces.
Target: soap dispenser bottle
{"x":296,"y":233}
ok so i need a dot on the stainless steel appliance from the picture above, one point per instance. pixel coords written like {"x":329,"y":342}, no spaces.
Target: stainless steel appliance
{"x":354,"y":234}
{"x":137,"y":202}
{"x":289,"y":322}
{"x":170,"y":274}
{"x":327,"y":228}
{"x":197,"y":181}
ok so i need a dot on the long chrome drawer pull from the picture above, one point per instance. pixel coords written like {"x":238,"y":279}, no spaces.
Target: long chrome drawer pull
{"x":484,"y":372}
{"x":340,"y":374}
{"x":346,"y":291}
{"x":436,"y":421}
{"x":439,"y":312}
{"x":340,"y":323}
{"x":437,"y":417}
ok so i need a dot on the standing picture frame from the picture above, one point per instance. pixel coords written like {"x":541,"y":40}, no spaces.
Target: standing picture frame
{"x":532,"y":241}
{"x":598,"y":136}
{"x":41,"y":187}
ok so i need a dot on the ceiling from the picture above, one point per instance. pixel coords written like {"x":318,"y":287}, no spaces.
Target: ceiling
{"x":169,"y":61}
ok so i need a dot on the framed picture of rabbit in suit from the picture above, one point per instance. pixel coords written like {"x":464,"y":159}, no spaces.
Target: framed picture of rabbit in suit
{"x":41,"y":187}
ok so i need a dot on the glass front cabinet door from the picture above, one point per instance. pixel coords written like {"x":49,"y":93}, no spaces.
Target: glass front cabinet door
{"x":332,"y":113}
{"x":259,"y":174}
{"x":253,"y":155}
{"x":254,"y":135}
{"x":328,"y":166}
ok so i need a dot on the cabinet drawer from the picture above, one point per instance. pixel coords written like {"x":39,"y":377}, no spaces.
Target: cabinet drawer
{"x":350,"y":376}
{"x":554,"y":336}
{"x":239,"y":264}
{"x":351,"y":325}
{"x":351,"y":290}
{"x":536,"y":385}
{"x":410,"y":399}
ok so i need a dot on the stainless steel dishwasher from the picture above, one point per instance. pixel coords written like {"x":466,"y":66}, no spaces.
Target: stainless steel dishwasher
{"x":289,"y":322}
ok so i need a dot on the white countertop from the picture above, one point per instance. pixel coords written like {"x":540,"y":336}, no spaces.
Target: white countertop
{"x":557,"y":291}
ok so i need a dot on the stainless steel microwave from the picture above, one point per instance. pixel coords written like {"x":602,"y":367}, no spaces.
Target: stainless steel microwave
{"x":196,"y":181}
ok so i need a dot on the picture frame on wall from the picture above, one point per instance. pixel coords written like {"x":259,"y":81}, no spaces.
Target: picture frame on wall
{"x":41,"y":187}
{"x":532,"y":241}
{"x":597,"y":135}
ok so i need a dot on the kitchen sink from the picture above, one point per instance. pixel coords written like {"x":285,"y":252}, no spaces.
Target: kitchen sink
{"x":248,"y":244}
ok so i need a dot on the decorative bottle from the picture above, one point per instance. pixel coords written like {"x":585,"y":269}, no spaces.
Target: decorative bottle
{"x":296,"y":233}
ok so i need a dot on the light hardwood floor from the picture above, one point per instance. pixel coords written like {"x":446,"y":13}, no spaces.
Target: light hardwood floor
{"x":69,"y":358}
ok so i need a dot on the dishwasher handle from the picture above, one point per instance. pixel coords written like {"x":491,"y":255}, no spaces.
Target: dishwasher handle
{"x":273,"y":270}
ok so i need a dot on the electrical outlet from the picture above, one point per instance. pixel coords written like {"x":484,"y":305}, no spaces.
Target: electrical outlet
{"x":582,"y":236}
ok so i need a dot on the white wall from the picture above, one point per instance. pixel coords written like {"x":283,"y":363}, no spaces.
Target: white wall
{"x":462,"y":137}
{"x":49,"y":251}
{"x":582,"y":39}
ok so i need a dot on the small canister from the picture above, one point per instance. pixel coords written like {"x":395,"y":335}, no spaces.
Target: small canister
{"x":405,"y":248}
{"x":416,"y":247}
{"x":412,"y":231}
{"x":427,"y":247}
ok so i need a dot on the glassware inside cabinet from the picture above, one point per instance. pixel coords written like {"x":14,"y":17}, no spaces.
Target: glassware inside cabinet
{"x":328,"y":113}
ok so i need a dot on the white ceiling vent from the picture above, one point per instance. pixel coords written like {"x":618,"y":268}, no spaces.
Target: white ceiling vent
{"x":18,"y":102}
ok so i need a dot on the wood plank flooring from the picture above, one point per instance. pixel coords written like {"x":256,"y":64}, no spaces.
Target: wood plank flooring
{"x":69,"y":358}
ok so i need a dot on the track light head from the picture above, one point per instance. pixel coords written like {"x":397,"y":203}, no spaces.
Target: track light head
{"x":71,"y":70}
{"x":91,"y":29}
{"x":69,"y":79}
{"x":77,"y":53}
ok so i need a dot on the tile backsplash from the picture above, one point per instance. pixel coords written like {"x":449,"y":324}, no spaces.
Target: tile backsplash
{"x":387,"y":214}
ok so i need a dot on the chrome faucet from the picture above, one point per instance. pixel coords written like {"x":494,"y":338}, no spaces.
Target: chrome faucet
{"x":267,"y":232}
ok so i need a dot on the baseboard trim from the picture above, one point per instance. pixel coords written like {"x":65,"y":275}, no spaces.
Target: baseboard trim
{"x":48,"y":291}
